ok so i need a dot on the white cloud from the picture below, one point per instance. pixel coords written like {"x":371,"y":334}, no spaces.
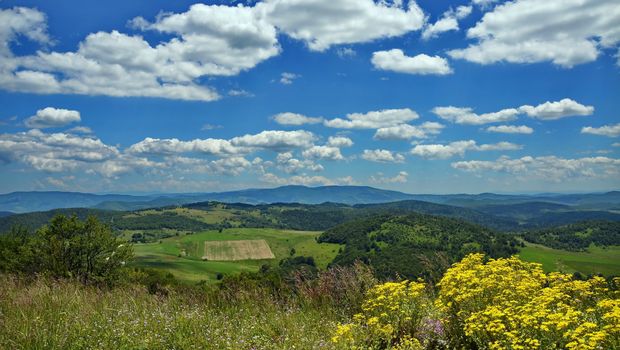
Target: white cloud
{"x":564,"y":32}
{"x":406,"y":131}
{"x":401,"y":177}
{"x":395,"y":60}
{"x":447,"y":22}
{"x":382,"y":156}
{"x":288,"y":118}
{"x":605,"y":130}
{"x":511,"y":129}
{"x":287,"y":78}
{"x":205,"y":41}
{"x":217,"y":147}
{"x":373,"y":120}
{"x":297,"y":180}
{"x":545,"y":111}
{"x":290,"y":165}
{"x":239,"y":93}
{"x":439,"y":151}
{"x":346,"y":52}
{"x":323,"y":152}
{"x":275,"y":140}
{"x":339,"y":141}
{"x":616,"y":144}
{"x":30,"y":23}
{"x":465,"y":115}
{"x":556,"y":110}
{"x":549,"y":168}
{"x":61,"y":152}
{"x":324,"y":23}
{"x":50,"y":117}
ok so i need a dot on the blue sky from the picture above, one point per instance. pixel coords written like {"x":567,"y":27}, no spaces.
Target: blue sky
{"x":422,"y":97}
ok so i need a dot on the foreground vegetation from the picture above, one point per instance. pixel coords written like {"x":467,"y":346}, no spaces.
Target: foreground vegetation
{"x":478,"y":304}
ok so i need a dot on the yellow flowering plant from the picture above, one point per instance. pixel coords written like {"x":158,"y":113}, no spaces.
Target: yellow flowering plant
{"x":512,"y":304}
{"x":391,"y":314}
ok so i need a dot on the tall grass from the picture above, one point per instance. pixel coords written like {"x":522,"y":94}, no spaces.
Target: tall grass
{"x":58,"y":314}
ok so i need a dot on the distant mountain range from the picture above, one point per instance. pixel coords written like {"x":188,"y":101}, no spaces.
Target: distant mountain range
{"x":22,"y":202}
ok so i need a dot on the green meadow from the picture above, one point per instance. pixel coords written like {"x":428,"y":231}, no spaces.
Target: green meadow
{"x":595,"y":260}
{"x":182,"y":255}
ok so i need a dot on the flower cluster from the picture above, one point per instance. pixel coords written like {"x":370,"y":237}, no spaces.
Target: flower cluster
{"x":512,"y":304}
{"x":391,"y":313}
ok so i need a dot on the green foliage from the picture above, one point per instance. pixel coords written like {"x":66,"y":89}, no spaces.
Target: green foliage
{"x":414,"y":245}
{"x":67,"y":247}
{"x":578,"y":236}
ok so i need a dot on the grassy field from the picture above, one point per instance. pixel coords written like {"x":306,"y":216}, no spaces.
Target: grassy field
{"x":605,"y":260}
{"x":182,"y":255}
{"x":250,"y":249}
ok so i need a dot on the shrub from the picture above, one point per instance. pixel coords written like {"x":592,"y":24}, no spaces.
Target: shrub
{"x":391,"y":315}
{"x":512,"y":304}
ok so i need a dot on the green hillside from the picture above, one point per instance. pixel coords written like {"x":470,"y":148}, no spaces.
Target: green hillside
{"x":414,"y":245}
{"x":182,"y":255}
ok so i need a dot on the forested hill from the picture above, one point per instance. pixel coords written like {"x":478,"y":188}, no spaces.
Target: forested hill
{"x":414,"y":245}
{"x":578,"y":236}
{"x":20,"y":202}
{"x":319,"y":217}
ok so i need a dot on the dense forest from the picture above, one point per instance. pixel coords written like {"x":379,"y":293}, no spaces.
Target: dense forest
{"x":577,"y":236}
{"x":414,"y":245}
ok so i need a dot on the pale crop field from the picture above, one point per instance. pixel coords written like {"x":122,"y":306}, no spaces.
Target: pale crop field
{"x":256,"y":249}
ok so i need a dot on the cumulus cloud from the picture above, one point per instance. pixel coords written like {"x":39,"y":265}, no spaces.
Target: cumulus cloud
{"x":465,"y":115}
{"x":275,"y":140}
{"x":339,"y":141}
{"x":511,"y":129}
{"x":447,"y":22}
{"x":288,"y":118}
{"x":605,"y":130}
{"x":323,"y":152}
{"x":324,"y":23}
{"x":557,"y":110}
{"x":304,"y":180}
{"x":550,"y":168}
{"x":380,"y":178}
{"x":206,"y":40}
{"x":30,"y":23}
{"x":287,"y":78}
{"x":290,"y":165}
{"x":382,"y":156}
{"x":545,"y":111}
{"x":62,"y":152}
{"x":564,"y":32}
{"x":395,"y":60}
{"x":439,"y":151}
{"x":407,"y":131}
{"x":373,"y":120}
{"x":52,"y":118}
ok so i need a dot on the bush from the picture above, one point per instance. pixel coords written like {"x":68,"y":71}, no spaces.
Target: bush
{"x":512,"y":304}
{"x":391,"y":315}
{"x":67,"y":247}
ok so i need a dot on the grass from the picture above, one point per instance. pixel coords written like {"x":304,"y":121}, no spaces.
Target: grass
{"x":249,"y":249}
{"x":603,"y":260}
{"x":182,"y":255}
{"x":50,"y":314}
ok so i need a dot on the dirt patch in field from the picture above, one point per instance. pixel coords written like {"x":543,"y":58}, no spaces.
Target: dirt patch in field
{"x":237,"y":250}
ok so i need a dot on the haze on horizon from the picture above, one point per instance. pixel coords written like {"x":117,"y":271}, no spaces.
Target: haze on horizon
{"x":415,"y":96}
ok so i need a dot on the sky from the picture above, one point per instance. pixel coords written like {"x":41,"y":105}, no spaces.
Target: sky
{"x":149,"y":96}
